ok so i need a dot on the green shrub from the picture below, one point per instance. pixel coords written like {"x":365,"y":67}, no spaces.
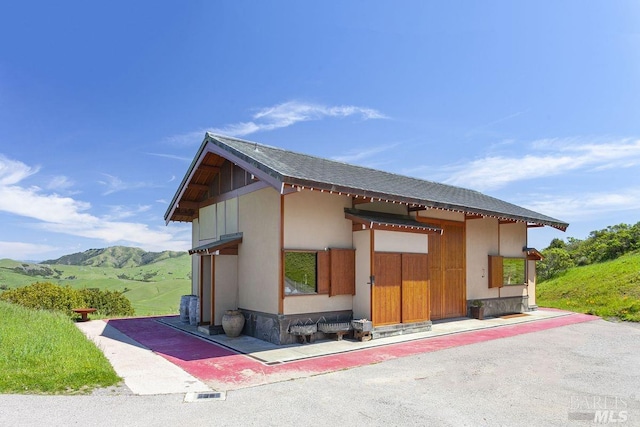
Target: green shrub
{"x":45,"y":296}
{"x":108,"y":303}
{"x":48,"y":296}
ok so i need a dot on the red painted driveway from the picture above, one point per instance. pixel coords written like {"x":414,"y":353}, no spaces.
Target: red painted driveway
{"x":223,"y":369}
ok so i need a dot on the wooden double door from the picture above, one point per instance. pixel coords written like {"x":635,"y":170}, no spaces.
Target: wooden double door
{"x":413,"y":287}
{"x":401,"y":290}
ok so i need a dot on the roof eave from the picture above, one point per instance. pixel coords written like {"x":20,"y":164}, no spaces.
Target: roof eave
{"x":185,"y":181}
{"x":375,"y":196}
{"x":211,"y":144}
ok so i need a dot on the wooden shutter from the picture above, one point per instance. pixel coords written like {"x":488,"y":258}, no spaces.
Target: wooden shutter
{"x":495,"y":272}
{"x":324,"y":272}
{"x":343,"y":272}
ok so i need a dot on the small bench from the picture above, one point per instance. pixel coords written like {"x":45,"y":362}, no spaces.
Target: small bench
{"x":84,"y":312}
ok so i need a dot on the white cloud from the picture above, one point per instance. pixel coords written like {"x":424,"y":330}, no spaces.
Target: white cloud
{"x":589,"y":205}
{"x":281,"y":116}
{"x":115,"y":184}
{"x":558,"y":157}
{"x":176,"y":157}
{"x":12,"y":171}
{"x":122,"y":212}
{"x":494,"y":122}
{"x":354,"y":156}
{"x":69,"y":216}
{"x":59,"y":183}
{"x":23,"y":251}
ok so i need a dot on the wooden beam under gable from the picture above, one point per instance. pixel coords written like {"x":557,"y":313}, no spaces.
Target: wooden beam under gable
{"x":209,"y":168}
{"x":201,"y":187}
{"x":188,"y":204}
{"x":473,"y":216}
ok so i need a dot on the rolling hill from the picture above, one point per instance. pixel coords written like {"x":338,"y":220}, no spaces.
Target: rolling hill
{"x":115,"y":256}
{"x":153,"y":281}
{"x":609,"y":289}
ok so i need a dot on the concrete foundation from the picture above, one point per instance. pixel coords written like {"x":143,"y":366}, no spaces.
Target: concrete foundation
{"x":494,"y":307}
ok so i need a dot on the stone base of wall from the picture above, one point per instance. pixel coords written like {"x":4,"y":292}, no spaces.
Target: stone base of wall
{"x":274,"y":328}
{"x":494,"y":307}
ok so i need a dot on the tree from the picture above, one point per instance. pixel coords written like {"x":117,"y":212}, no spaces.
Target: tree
{"x":557,"y":243}
{"x":555,"y":262}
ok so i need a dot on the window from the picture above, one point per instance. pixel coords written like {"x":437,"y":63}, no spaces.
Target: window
{"x":513,"y":271}
{"x":300,"y":272}
{"x":506,"y":271}
{"x":320,"y":272}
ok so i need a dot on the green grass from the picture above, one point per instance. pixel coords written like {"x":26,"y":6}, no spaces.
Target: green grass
{"x":153,"y":289}
{"x":609,"y":289}
{"x":44,"y":352}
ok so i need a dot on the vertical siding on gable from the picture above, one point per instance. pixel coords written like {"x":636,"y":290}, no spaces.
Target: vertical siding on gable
{"x":221,"y":222}
{"x":207,"y":218}
{"x":231,"y":215}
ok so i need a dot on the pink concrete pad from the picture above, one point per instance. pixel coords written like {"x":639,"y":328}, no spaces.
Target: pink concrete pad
{"x":224,"y":369}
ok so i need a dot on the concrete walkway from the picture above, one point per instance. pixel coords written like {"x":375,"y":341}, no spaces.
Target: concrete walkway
{"x":157,"y":355}
{"x":143,"y":371}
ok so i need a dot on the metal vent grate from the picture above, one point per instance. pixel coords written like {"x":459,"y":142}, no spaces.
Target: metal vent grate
{"x":208,"y":396}
{"x":204,"y":396}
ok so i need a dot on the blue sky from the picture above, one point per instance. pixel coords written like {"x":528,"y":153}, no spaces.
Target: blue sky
{"x":103,"y":105}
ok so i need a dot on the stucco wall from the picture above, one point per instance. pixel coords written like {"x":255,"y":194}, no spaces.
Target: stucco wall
{"x":195,"y":270}
{"x":531,"y":282}
{"x":362,"y":298}
{"x":486,"y":237}
{"x":392,"y":241}
{"x":440,"y":214}
{"x":482,"y":241}
{"x":314,"y":220}
{"x":205,"y":298}
{"x":316,"y":303}
{"x":226,"y":280}
{"x":259,"y":252}
{"x":513,"y":237}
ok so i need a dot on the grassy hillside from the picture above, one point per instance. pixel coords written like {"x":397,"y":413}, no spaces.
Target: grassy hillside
{"x":610,"y":289}
{"x":153,"y":288}
{"x":43,"y":352}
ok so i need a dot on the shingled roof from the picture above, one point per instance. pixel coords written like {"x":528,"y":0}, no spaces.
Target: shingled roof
{"x":283,"y":168}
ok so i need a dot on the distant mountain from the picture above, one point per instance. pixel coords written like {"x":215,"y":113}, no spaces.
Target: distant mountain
{"x":115,"y":257}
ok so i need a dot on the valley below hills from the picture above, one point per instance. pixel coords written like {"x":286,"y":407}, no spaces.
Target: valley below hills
{"x":152,"y":281}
